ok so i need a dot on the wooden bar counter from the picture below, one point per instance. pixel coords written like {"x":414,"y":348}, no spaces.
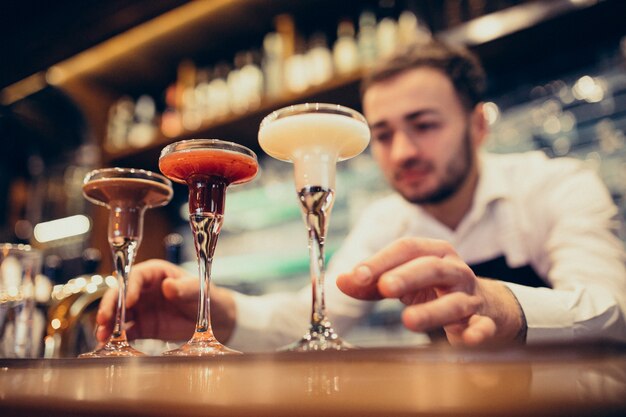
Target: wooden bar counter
{"x":581,"y":380}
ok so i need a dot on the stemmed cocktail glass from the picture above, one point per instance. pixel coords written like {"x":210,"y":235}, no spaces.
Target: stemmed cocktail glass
{"x":207,"y":167}
{"x":127,"y":193}
{"x":314,"y":136}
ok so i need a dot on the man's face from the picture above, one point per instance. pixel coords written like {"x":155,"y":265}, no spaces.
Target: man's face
{"x":421,"y":134}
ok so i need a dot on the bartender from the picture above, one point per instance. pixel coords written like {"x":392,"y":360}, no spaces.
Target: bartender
{"x":489,"y":248}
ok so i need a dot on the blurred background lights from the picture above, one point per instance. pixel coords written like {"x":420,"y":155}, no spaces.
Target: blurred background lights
{"x":492,"y":112}
{"x":485,"y":29}
{"x":62,"y":228}
{"x":589,"y":89}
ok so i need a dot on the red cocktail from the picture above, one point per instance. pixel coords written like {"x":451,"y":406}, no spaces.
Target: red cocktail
{"x":208,"y":167}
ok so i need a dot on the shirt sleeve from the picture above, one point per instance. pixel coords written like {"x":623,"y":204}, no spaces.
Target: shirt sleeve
{"x":270,"y":321}
{"x":584,"y":260}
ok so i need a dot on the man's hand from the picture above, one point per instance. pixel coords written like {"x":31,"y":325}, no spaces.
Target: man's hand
{"x":162,"y":303}
{"x":439,"y":290}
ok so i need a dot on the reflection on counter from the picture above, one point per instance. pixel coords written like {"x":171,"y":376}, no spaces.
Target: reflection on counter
{"x":576,"y":380}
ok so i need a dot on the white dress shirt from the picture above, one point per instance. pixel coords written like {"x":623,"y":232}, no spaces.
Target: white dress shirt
{"x":552,"y":215}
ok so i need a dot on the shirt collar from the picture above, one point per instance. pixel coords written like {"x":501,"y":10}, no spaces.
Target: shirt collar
{"x":492,"y":184}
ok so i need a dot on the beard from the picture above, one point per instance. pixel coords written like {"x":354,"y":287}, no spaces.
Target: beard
{"x":455,"y":174}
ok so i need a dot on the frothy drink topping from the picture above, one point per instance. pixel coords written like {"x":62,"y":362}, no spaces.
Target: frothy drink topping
{"x":314,"y":142}
{"x":335,"y":134}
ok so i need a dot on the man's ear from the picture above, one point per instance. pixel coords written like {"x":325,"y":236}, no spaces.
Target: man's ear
{"x":479,"y":128}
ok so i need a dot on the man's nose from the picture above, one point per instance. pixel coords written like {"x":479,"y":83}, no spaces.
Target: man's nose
{"x":403,"y":146}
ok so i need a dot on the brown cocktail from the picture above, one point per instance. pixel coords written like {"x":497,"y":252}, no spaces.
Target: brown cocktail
{"x":127,"y":193}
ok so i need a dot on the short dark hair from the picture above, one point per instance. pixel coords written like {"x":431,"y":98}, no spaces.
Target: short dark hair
{"x":459,"y":64}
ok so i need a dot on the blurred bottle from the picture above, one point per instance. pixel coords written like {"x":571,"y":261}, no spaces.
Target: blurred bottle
{"x":219,"y":94}
{"x":120,"y":121}
{"x":91,"y":258}
{"x":201,"y":93}
{"x":345,"y":48}
{"x":386,"y":35}
{"x":453,"y":11}
{"x":173,"y":248}
{"x":252,"y":79}
{"x":411,"y":30}
{"x":143,"y":129}
{"x":286,"y":29}
{"x":319,"y":59}
{"x":367,"y":38}
{"x":171,"y":119}
{"x":236,"y":88}
{"x":297,"y":71}
{"x":186,"y":101}
{"x":273,"y":65}
{"x":53,"y":269}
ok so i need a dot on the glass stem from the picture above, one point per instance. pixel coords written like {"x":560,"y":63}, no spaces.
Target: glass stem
{"x":318,"y":270}
{"x":317,"y":203}
{"x":123,"y":256}
{"x":206,"y":228}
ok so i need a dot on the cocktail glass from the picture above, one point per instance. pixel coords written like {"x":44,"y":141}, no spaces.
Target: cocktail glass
{"x":314,"y":136}
{"x":207,"y":167}
{"x":127,"y":193}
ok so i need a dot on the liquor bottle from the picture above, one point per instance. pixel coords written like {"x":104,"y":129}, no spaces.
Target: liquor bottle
{"x":297,"y":71}
{"x":202,"y":93}
{"x":173,"y":248}
{"x":53,"y":268}
{"x":219,"y":93}
{"x":91,"y":258}
{"x":273,"y":69}
{"x":386,"y":36}
{"x":236,"y":88}
{"x":319,"y":59}
{"x":171,"y":120}
{"x":120,"y":120}
{"x":411,"y":30}
{"x":366,"y":38}
{"x":186,"y":101}
{"x":345,"y":49}
{"x":143,"y":130}
{"x":252,"y":79}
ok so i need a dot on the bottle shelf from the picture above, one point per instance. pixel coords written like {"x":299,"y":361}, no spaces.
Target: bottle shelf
{"x":242,"y":128}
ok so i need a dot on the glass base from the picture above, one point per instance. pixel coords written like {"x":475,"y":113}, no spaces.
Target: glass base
{"x":202,"y":345}
{"x":321,"y":338}
{"x":113,"y":348}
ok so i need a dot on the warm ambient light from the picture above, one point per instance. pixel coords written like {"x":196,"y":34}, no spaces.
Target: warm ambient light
{"x":512,"y":19}
{"x":106,"y":52}
{"x":62,"y":228}
{"x":148,"y":33}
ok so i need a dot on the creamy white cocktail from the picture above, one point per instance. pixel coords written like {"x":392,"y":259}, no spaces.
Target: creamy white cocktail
{"x":315,"y":136}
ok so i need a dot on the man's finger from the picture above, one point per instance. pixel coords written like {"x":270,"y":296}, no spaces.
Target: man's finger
{"x":426,"y":272}
{"x":362,"y":282}
{"x":183,"y":289}
{"x":359,"y":284}
{"x":446,"y":310}
{"x":480,"y":330}
{"x":404,"y":250}
{"x":108,"y":304}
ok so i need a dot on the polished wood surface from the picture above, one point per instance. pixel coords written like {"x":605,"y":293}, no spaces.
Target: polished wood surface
{"x":550,"y":380}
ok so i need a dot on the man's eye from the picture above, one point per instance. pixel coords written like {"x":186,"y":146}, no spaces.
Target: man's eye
{"x":425,"y":127}
{"x":382,"y":137}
